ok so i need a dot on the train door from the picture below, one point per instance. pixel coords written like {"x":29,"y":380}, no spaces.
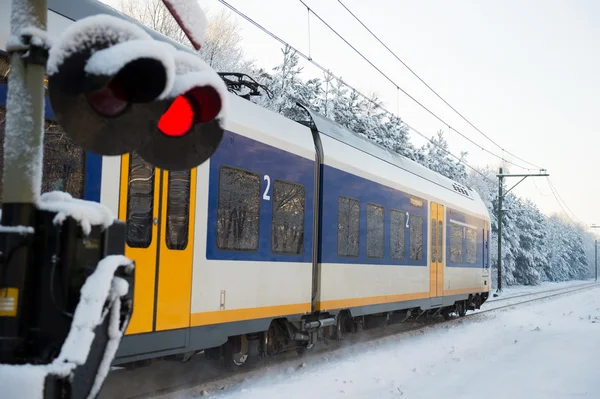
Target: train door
{"x":158,"y":207}
{"x":436,"y":272}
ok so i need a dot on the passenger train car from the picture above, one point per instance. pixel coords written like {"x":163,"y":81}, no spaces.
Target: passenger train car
{"x":292,"y":232}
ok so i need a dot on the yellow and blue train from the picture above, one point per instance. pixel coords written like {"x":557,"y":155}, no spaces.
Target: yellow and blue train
{"x":293,"y":231}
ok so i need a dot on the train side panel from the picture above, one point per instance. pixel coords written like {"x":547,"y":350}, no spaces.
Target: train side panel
{"x":376,"y":250}
{"x":366,"y":256}
{"x":262,"y":176}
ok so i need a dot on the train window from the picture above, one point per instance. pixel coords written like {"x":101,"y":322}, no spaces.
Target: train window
{"x":433,"y":240}
{"x":456,"y":241}
{"x":140,"y":202}
{"x":64,"y":163}
{"x":416,"y":237}
{"x":471,"y":247}
{"x":4,"y":68}
{"x":348,"y":226}
{"x":375,"y":231}
{"x":178,"y":209}
{"x":238,"y":212}
{"x":441,"y":241}
{"x":287,"y":229}
{"x":397,"y":226}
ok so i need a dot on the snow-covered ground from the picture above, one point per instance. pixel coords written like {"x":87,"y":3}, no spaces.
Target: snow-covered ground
{"x":548,"y":349}
{"x":527,"y":289}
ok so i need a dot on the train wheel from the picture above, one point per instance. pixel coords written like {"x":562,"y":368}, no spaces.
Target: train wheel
{"x":340,"y":326}
{"x":446,"y":314}
{"x":462,"y":308}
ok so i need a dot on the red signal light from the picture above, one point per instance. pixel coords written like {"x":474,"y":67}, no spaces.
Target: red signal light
{"x":178,"y":119}
{"x":207,"y":101}
{"x":200,"y":104}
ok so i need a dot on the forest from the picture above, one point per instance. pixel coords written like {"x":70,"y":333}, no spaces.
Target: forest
{"x":535,"y":247}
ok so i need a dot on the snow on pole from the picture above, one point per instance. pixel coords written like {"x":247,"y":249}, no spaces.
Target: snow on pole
{"x":190,"y":18}
{"x":22,"y":172}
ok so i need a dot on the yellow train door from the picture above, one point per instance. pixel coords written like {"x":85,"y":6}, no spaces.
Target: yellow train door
{"x":436,"y":262}
{"x":158,"y":207}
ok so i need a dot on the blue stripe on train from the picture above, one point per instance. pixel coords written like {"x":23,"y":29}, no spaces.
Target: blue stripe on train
{"x":241,"y":152}
{"x":244,"y":153}
{"x":338,"y":183}
{"x":93,"y":162}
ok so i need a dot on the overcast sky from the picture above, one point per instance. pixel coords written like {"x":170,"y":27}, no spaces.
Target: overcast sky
{"x":524,"y":72}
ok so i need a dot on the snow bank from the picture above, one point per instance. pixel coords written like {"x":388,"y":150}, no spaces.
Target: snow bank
{"x":87,"y":213}
{"x":517,"y":290}
{"x":541,"y":351}
{"x":27,"y":381}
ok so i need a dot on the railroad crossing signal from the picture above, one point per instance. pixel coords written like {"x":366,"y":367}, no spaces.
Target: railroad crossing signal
{"x":65,"y":298}
{"x":115,"y":90}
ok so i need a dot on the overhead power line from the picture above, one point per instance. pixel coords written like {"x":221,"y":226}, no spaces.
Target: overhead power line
{"x":408,"y":94}
{"x":312,"y":61}
{"x":557,"y":197}
{"x":432,"y":90}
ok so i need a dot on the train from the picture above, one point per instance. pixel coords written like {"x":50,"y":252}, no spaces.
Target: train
{"x":293,"y":232}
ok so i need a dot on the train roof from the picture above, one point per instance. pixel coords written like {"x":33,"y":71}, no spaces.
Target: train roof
{"x":338,"y":132}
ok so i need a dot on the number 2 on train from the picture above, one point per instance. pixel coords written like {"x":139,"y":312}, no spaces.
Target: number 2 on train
{"x":266,"y":195}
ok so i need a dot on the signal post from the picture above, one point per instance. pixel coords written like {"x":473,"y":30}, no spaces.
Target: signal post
{"x":66,"y":290}
{"x":501,"y":195}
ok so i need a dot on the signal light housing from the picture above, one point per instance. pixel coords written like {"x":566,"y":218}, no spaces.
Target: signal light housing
{"x":188,"y":132}
{"x":115,"y":90}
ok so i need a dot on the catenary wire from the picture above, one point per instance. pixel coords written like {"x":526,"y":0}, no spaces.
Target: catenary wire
{"x":311,"y":60}
{"x":557,"y":197}
{"x":432,"y":90}
{"x":408,"y":94}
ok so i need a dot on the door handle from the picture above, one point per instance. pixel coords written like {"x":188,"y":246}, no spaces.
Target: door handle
{"x":155,"y":221}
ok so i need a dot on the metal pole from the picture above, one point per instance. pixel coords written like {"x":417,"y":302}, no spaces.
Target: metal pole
{"x":22,"y":170}
{"x":500,"y":232}
{"x":596,"y":258}
{"x":23,"y":142}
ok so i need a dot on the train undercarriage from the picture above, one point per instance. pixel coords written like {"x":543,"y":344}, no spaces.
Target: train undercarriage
{"x":288,"y":335}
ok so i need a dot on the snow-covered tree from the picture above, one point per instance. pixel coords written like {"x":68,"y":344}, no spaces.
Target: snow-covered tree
{"x":222,"y":49}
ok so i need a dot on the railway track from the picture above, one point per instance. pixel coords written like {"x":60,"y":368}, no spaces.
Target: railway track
{"x":174,"y":380}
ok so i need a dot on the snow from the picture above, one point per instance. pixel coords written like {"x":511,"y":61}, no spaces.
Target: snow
{"x":191,"y":72}
{"x":23,"y":230}
{"x":537,"y":351}
{"x":191,"y":18}
{"x":22,"y":152}
{"x":22,"y":14}
{"x":39,"y":37}
{"x":517,"y":290}
{"x":187,"y":62}
{"x":87,"y":31}
{"x":27,"y":381}
{"x":87,"y":213}
{"x":109,"y":61}
{"x":198,"y":79}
